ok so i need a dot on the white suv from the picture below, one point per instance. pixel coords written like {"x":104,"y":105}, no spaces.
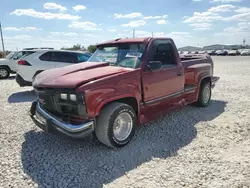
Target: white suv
{"x":33,"y":64}
{"x":9,"y":64}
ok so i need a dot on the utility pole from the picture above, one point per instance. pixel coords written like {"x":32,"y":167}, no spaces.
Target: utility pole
{"x":133,"y":33}
{"x":152,"y":34}
{"x":2,"y":37}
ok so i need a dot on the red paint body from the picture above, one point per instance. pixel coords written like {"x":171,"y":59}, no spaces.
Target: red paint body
{"x":152,"y":91}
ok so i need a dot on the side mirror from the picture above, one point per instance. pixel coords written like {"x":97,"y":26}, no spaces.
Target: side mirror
{"x":154,"y":65}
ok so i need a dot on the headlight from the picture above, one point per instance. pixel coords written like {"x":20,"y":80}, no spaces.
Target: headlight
{"x":72,"y":97}
{"x":71,"y":103}
{"x":64,"y":96}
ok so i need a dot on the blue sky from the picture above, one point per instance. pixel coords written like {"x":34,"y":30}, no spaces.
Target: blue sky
{"x":62,"y":23}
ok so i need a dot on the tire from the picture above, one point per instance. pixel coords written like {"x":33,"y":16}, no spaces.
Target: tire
{"x":4,"y":72}
{"x":108,"y":118}
{"x":205,"y":94}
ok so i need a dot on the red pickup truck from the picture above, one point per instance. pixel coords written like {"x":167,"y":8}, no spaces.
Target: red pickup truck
{"x":125,"y":83}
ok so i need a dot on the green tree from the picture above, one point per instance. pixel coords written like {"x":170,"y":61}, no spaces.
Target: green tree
{"x":91,"y":48}
{"x":75,"y":47}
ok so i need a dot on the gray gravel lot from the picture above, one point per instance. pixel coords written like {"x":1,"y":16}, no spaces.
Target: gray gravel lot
{"x":192,"y":147}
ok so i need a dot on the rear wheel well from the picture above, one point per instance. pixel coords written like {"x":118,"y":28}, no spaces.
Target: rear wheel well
{"x":206,"y":80}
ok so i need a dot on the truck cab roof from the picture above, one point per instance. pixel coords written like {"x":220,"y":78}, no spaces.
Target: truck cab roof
{"x":144,"y":40}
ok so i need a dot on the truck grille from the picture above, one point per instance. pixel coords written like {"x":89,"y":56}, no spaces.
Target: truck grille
{"x":50,"y":101}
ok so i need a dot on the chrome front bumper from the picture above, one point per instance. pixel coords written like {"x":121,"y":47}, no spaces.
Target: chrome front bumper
{"x":50,"y":123}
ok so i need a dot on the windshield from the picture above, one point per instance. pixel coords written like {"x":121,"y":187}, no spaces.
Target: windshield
{"x":123,"y":55}
{"x":10,"y":55}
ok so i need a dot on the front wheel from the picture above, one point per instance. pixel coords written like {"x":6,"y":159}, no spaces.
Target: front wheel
{"x":204,"y":94}
{"x":115,"y":126}
{"x":4,"y":73}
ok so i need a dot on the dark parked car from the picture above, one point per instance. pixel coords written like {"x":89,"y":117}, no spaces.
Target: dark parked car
{"x":221,"y":52}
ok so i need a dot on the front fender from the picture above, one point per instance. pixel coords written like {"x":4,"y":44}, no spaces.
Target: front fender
{"x":4,"y":62}
{"x":100,"y":93}
{"x":97,"y":99}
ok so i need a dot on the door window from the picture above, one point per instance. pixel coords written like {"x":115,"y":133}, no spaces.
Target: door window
{"x":164,"y":52}
{"x":64,"y":57}
{"x":45,"y":57}
{"x":55,"y":56}
{"x":50,"y":56}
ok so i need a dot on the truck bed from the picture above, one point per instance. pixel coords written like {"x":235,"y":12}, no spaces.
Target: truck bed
{"x":195,"y":66}
{"x":188,"y":60}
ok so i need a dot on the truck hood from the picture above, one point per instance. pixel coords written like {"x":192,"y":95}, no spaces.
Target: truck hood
{"x":75,"y":75}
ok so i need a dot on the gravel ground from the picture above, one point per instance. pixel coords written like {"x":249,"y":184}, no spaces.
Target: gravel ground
{"x":193,"y":147}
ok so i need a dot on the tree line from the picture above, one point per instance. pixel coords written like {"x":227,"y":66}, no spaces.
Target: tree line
{"x":76,"y":47}
{"x":79,"y":47}
{"x":2,"y":54}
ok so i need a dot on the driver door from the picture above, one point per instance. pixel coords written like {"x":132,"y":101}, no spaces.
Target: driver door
{"x":166,"y":82}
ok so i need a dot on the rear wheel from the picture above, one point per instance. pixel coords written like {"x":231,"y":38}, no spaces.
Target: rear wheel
{"x":204,"y":94}
{"x":4,"y":72}
{"x":116,"y":124}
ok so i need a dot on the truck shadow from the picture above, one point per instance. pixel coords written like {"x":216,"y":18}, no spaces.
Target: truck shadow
{"x":53,"y":161}
{"x":23,"y":96}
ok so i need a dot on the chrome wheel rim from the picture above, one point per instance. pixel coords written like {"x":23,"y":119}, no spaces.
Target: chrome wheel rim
{"x":3,"y":73}
{"x":123,"y":126}
{"x":206,"y":94}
